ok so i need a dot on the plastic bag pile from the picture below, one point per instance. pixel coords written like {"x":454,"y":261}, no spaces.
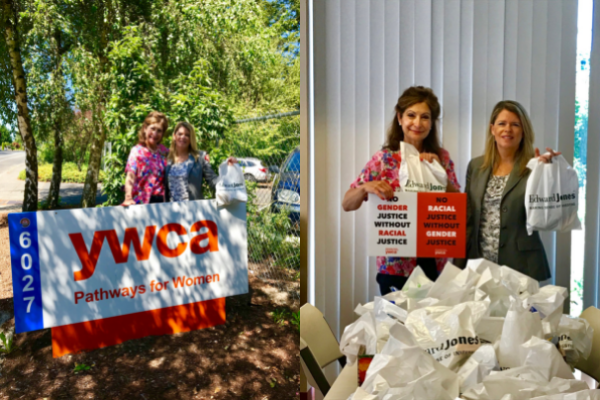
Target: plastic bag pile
{"x":482,"y":333}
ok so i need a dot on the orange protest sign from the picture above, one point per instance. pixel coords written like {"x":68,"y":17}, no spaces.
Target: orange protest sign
{"x":423,"y":224}
{"x":441,"y":225}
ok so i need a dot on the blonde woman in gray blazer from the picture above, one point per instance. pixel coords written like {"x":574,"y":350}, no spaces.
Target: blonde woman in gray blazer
{"x":496,"y":183}
{"x":187,"y":166}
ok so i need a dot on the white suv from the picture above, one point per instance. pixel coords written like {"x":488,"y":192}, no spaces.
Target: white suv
{"x":253,"y":169}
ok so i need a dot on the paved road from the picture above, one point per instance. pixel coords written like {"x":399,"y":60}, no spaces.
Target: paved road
{"x":11,"y":159}
{"x":11,"y":188}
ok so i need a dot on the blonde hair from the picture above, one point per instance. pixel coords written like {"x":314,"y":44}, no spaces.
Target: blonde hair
{"x":525,"y":151}
{"x":153,"y":118}
{"x":193,"y":146}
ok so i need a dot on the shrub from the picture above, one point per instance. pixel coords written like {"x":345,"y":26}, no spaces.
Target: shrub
{"x":70,"y":173}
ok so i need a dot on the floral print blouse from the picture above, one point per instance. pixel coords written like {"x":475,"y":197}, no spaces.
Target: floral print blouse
{"x":149,"y":169}
{"x":384,"y":165}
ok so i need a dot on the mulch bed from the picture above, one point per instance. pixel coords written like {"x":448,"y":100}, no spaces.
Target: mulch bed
{"x":250,"y":357}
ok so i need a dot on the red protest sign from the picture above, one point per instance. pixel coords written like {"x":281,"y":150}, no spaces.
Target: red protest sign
{"x":441,"y":225}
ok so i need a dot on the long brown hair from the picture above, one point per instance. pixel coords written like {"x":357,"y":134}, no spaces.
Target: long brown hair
{"x":411,"y":96}
{"x":153,"y":118}
{"x":525,"y":151}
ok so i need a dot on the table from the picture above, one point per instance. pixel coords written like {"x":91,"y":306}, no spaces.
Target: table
{"x":345,"y":384}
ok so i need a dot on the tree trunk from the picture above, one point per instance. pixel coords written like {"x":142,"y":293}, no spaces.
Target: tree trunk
{"x":91,"y":179}
{"x":30,"y":201}
{"x":53,"y":200}
{"x":60,"y":103}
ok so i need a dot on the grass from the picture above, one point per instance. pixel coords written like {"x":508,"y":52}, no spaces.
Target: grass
{"x":284,"y":316}
{"x":70,"y":173}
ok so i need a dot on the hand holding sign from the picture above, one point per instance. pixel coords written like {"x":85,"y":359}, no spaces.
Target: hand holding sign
{"x":380,"y":188}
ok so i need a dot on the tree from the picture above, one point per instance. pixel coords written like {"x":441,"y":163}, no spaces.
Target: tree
{"x":51,"y":108}
{"x":5,"y":134}
{"x":12,"y":34}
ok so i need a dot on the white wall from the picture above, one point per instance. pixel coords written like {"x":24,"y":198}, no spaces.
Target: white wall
{"x":473,"y":53}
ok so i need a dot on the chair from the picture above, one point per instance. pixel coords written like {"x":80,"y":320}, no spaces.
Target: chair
{"x":591,"y":366}
{"x":318,"y":347}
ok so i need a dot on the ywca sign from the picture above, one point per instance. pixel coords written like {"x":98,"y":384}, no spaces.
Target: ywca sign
{"x":81,"y":265}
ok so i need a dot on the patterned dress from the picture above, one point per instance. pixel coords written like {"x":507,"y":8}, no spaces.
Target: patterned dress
{"x":178,"y":180}
{"x":490,"y":217}
{"x":385,"y":165}
{"x":148,"y":168}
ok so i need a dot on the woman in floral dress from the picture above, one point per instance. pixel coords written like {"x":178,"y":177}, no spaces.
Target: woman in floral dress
{"x":417,"y":112}
{"x":146,"y":164}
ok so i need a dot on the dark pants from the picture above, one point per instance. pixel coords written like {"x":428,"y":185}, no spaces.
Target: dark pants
{"x":386,"y":281}
{"x":157,"y":199}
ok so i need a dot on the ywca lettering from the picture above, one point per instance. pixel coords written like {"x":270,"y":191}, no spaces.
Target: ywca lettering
{"x":142,"y":249}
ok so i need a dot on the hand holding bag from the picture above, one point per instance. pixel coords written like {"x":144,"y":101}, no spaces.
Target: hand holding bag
{"x":551,"y":196}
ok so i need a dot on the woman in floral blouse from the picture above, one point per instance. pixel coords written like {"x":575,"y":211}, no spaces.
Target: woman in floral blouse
{"x":147,"y":162}
{"x":417,"y":112}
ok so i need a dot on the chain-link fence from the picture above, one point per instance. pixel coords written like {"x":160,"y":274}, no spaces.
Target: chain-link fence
{"x":267,"y":149}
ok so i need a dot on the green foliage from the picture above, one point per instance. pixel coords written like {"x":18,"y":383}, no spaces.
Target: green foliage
{"x":136,"y":90}
{"x":284,"y":316}
{"x":580,"y":146}
{"x":296,"y":320}
{"x":577,"y":290}
{"x":100,"y":67}
{"x":71,"y":173}
{"x":81,"y":368}
{"x":5,"y":134}
{"x":268,"y":233}
{"x":7,"y":343}
{"x":272,"y":139}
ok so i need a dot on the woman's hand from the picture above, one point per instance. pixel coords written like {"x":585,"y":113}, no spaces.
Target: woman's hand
{"x":380,"y":188}
{"x":128,"y":202}
{"x":354,"y":197}
{"x":231,"y":161}
{"x":546,"y":158}
{"x":429,"y":157}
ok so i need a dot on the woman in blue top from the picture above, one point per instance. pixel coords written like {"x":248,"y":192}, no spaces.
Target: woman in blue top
{"x":187,"y":166}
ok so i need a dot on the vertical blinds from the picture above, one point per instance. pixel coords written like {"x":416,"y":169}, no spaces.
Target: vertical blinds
{"x":591,"y":291}
{"x":473,"y":53}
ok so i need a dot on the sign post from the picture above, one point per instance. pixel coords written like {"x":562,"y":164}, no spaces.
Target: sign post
{"x":104,"y":275}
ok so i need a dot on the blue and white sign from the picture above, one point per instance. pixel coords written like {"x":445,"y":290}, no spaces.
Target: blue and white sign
{"x":72,"y":266}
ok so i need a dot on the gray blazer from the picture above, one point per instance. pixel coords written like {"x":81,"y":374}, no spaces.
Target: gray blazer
{"x":201,"y":169}
{"x":517,"y":249}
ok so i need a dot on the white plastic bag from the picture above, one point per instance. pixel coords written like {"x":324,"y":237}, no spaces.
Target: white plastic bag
{"x":401,"y":365}
{"x":574,"y":338}
{"x":231,"y":185}
{"x":519,"y":384}
{"x":551,"y":196}
{"x":548,"y":302}
{"x":589,"y":394}
{"x":477,"y":367}
{"x":448,"y":333}
{"x":519,"y":326}
{"x":420,"y":176}
{"x":360,"y":333}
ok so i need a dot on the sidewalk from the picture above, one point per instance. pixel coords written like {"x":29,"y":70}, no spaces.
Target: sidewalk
{"x":11,"y":191}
